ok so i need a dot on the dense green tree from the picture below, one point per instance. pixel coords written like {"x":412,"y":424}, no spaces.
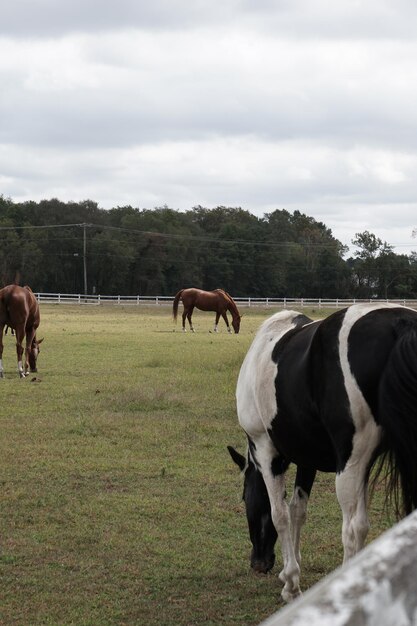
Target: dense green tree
{"x":132,"y":251}
{"x":376,"y":267}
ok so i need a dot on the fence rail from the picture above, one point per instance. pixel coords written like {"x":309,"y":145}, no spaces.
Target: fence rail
{"x":71,"y":298}
{"x":378,"y":586}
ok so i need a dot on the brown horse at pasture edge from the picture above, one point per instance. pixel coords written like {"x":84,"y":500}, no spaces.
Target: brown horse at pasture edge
{"x":19,"y":310}
{"x":218,"y":300}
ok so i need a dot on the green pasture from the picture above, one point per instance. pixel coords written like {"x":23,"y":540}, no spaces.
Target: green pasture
{"x":119,"y":503}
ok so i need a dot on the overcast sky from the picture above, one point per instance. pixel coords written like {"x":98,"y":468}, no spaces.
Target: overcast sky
{"x":262,"y":104}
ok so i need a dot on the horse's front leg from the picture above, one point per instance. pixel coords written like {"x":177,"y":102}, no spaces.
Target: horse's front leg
{"x":224,"y":316}
{"x":216,"y":322}
{"x":280,"y":513}
{"x":298,"y":506}
{"x":19,"y":351}
{"x":290,"y":574}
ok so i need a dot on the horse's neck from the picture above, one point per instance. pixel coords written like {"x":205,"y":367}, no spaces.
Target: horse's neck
{"x":232,"y":307}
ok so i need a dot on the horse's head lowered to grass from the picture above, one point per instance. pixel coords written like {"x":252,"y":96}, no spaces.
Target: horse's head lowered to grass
{"x":258,"y":513}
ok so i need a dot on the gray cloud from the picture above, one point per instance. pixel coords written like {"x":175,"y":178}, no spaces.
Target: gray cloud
{"x":292,"y":104}
{"x":289,"y":18}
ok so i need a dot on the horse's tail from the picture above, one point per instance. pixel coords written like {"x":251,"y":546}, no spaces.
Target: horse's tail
{"x":398,"y":417}
{"x":175,"y":304}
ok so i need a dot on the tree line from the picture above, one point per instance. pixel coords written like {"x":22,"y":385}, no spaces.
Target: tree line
{"x":68,"y":247}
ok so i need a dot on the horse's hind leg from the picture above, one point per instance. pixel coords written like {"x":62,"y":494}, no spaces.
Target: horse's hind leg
{"x":184,"y":317}
{"x":352,"y":491}
{"x":352,"y":495}
{"x":187,"y":314}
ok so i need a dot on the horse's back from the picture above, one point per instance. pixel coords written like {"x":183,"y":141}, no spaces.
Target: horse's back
{"x":18,"y":305}
{"x":312,"y":385}
{"x":203,"y":300}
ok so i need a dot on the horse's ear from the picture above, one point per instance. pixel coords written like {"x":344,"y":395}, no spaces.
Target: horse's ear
{"x":238,"y":458}
{"x":40,"y":340}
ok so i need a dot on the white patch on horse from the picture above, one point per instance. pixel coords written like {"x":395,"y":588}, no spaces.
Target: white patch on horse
{"x":350,"y":483}
{"x":255,"y":391}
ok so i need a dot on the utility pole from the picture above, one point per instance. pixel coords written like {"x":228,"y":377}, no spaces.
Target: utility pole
{"x":85,"y":257}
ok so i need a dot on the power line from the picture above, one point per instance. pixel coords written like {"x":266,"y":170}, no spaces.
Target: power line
{"x":186,"y":236}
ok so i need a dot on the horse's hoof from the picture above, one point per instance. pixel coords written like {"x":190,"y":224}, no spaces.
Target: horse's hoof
{"x":290,"y":596}
{"x":1,"y":375}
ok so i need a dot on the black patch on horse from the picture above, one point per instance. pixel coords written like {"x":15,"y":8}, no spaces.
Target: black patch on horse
{"x":313,"y":426}
{"x":371,"y":341}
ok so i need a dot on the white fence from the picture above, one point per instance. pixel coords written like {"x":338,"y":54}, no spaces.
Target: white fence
{"x":376,"y":588}
{"x":70,"y":298}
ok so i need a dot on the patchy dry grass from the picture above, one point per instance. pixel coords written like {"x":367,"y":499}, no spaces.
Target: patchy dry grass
{"x":118,"y":501}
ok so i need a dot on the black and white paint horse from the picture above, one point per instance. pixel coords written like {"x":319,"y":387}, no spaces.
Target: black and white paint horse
{"x":330,"y":395}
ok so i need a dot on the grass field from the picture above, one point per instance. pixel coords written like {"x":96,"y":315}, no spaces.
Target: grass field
{"x":119,"y":503}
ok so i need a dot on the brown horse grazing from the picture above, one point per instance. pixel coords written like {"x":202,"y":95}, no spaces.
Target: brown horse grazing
{"x":19,"y":310}
{"x":217,"y":300}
